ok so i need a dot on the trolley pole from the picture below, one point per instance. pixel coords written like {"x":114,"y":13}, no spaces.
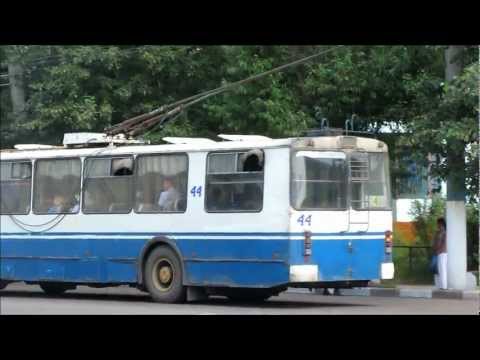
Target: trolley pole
{"x":456,"y":213}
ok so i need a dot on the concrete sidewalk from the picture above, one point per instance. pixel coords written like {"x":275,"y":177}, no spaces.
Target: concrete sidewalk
{"x":406,"y":291}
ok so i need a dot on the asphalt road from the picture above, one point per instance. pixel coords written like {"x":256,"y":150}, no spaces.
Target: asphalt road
{"x":23,"y":299}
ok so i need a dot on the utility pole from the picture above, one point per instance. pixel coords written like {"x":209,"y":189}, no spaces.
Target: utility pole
{"x":456,"y":212}
{"x":17,"y":90}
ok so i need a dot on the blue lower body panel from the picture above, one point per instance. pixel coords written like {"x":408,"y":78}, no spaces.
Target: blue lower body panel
{"x":337,"y":261}
{"x":70,"y":260}
{"x":218,"y":262}
{"x":237,"y":274}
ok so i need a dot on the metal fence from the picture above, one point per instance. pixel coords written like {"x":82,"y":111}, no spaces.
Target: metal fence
{"x":415,"y":253}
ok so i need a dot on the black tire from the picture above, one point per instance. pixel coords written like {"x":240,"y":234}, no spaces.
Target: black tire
{"x":163,"y":276}
{"x":54,"y":288}
{"x":248,"y":295}
{"x":3,"y":284}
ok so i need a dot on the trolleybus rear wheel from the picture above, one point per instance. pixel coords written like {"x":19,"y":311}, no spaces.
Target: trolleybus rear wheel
{"x":54,"y":288}
{"x":3,"y":284}
{"x":163,"y":276}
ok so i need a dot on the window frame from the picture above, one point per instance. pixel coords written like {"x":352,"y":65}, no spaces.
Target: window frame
{"x":347,"y":180}
{"x":30,"y":161}
{"x":35,"y":183}
{"x":111,"y":157}
{"x":135,"y":174}
{"x":233,"y":151}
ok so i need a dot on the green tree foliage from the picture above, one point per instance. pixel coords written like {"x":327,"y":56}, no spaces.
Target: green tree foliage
{"x":443,"y":118}
{"x":86,"y":88}
{"x":425,"y":214}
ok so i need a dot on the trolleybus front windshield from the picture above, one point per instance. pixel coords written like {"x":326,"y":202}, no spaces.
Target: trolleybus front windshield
{"x":319,"y":180}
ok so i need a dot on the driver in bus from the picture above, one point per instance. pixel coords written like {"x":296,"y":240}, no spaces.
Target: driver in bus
{"x":169,"y":196}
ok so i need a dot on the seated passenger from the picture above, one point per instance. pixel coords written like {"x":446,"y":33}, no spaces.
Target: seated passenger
{"x":169,"y":196}
{"x":75,"y":205}
{"x":58,"y":205}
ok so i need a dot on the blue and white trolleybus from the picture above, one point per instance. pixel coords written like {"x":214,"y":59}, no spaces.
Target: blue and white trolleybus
{"x":245,"y":217}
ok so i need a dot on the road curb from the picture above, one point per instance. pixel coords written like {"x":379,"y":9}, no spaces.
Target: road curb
{"x":407,"y":292}
{"x":447,"y":294}
{"x":388,"y":292}
{"x":416,"y":293}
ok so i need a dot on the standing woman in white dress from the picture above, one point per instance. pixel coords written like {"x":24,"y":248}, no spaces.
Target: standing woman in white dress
{"x":440,"y":249}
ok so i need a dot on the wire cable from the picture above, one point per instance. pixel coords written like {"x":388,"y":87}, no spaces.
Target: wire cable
{"x":192,"y":100}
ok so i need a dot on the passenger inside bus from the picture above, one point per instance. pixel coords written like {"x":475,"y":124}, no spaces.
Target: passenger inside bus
{"x":169,"y":196}
{"x":58,"y":204}
{"x":124,"y":171}
{"x":74,"y":204}
{"x":253,"y":161}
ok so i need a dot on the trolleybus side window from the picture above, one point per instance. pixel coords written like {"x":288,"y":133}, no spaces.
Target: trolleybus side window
{"x":319,"y":180}
{"x":161,"y":183}
{"x":373,"y":189}
{"x":107,"y":185}
{"x":57,"y":186}
{"x":235,"y":181}
{"x":15,"y":187}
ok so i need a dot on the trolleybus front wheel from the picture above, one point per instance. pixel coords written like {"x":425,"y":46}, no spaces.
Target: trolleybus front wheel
{"x":163,"y":276}
{"x":3,"y":284}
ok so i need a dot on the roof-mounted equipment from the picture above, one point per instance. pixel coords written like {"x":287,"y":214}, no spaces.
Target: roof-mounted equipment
{"x":96,"y":139}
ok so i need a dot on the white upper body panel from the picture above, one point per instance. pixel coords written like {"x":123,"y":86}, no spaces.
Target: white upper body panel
{"x":276,"y":215}
{"x":272,"y":218}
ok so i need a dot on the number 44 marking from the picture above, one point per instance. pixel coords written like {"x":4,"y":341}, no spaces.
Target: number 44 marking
{"x":196,"y":191}
{"x":305,"y":220}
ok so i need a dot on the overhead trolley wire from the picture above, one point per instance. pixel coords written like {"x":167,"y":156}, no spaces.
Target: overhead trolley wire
{"x":143,"y":122}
